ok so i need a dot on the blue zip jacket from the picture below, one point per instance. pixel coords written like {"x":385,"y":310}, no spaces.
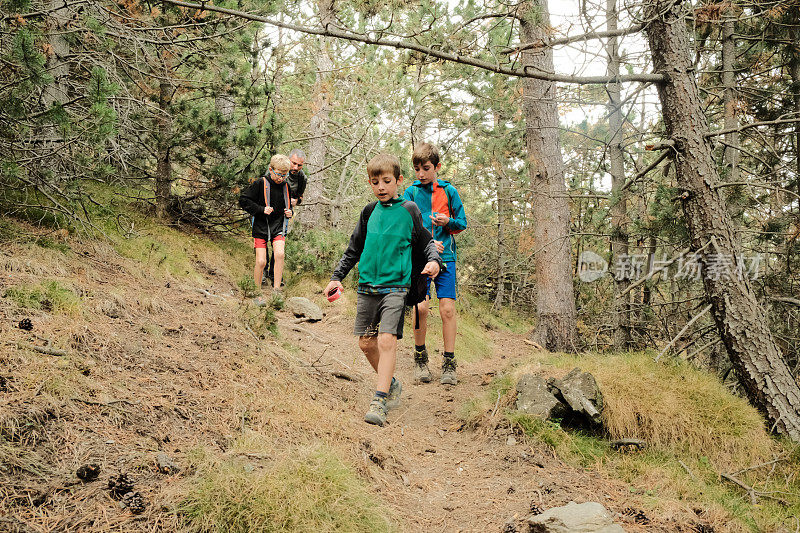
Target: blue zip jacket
{"x":440,"y":197}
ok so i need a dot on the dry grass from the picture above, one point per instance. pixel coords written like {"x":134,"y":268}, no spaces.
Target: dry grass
{"x":695,"y":430}
{"x":674,"y":408}
{"x":306,"y":489}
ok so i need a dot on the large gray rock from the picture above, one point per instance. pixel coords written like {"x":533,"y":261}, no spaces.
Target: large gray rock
{"x":534,"y":398}
{"x":579,"y":390}
{"x":304,"y":308}
{"x":589,"y":517}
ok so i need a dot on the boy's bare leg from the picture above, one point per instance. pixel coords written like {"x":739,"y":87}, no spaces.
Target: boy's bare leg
{"x":261,"y":262}
{"x":278,"y":250}
{"x":419,"y":334}
{"x":447,"y":310}
{"x":369,"y":345}
{"x":387,"y":350}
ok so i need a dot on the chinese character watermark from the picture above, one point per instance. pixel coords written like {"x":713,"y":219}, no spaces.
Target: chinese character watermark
{"x":692,"y":267}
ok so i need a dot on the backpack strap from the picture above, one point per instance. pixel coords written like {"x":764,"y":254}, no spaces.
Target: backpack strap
{"x":286,"y":205}
{"x":266,"y":204}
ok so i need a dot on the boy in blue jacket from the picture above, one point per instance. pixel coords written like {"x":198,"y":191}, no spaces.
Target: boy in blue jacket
{"x":443,"y":215}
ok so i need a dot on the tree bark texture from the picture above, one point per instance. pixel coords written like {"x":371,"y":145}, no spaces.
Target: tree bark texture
{"x":740,"y":318}
{"x":619,"y":207}
{"x":314,"y":209}
{"x":731,"y":154}
{"x":57,"y":66}
{"x":555,"y":299}
{"x":164,"y":145}
{"x":503,"y":210}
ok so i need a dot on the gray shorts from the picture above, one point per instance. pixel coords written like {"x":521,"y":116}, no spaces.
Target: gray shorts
{"x":380,"y":313}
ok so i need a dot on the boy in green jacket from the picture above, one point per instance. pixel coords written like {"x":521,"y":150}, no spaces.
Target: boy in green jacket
{"x":382,"y":245}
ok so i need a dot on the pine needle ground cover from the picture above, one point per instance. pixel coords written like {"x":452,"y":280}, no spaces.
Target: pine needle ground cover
{"x":701,"y":439}
{"x":161,"y":355}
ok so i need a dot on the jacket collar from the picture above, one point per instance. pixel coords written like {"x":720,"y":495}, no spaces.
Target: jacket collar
{"x":391,"y":202}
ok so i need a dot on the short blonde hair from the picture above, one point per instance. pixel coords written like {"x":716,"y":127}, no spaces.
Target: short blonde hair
{"x":280,"y":162}
{"x":383,"y":163}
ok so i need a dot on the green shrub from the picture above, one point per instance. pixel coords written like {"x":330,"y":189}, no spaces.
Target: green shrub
{"x":248,"y":287}
{"x":315,"y":252}
{"x":47,"y":296}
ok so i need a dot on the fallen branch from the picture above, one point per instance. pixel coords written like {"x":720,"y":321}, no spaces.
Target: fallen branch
{"x":320,"y":340}
{"x":344,"y":375}
{"x":209,"y":294}
{"x":44,"y":349}
{"x":104,"y":404}
{"x":682,"y":331}
{"x":750,"y":490}
{"x":688,"y":471}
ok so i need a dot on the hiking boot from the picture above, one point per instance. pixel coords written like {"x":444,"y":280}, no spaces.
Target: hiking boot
{"x":449,"y":371}
{"x":422,"y":373}
{"x":376,"y":413}
{"x":393,"y":400}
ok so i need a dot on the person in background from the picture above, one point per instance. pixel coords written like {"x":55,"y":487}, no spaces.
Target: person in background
{"x":267,"y":200}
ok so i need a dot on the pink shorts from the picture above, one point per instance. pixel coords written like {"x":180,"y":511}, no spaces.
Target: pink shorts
{"x":262,"y":243}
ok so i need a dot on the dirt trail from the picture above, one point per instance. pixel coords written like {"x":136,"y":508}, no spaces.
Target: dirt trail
{"x":441,"y":476}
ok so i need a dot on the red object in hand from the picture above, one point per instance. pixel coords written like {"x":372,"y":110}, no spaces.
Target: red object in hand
{"x":334,"y":294}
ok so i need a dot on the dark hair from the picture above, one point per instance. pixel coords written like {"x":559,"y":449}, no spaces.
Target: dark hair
{"x":425,"y":152}
{"x":383,"y":163}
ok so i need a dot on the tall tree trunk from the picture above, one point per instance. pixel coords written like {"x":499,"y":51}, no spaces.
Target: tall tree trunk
{"x":314,"y":210}
{"x":56,"y":92}
{"x":740,"y":319}
{"x":503,"y":210}
{"x":619,"y":208}
{"x":555,"y":300}
{"x":731,"y":154}
{"x":164,"y":145}
{"x":58,"y":68}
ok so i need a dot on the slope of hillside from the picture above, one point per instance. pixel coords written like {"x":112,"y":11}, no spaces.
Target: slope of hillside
{"x":142,"y":344}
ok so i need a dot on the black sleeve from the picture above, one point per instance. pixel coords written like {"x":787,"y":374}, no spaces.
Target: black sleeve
{"x":301,"y":186}
{"x":355,"y":247}
{"x":420,"y":236}
{"x":247,"y":200}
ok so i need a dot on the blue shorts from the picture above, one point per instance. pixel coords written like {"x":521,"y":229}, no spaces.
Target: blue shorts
{"x":445,"y":282}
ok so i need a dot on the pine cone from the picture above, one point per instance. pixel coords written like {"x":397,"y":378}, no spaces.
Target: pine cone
{"x":704,"y":528}
{"x":120,"y":485}
{"x":135,"y":502}
{"x":638,"y":515}
{"x":535,"y":509}
{"x":88,"y":472}
{"x":25,"y":324}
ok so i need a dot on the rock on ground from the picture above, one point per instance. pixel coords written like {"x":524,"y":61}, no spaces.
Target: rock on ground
{"x":589,"y":517}
{"x":304,"y":308}
{"x":580,"y":391}
{"x":534,"y":398}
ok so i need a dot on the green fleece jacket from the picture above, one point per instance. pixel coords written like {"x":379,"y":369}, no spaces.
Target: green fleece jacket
{"x":381,"y":244}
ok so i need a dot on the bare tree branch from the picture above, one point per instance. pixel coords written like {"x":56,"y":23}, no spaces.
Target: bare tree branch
{"x":330,"y":31}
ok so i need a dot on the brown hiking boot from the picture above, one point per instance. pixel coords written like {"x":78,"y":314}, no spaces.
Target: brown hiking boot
{"x":422,"y":374}
{"x":449,"y":371}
